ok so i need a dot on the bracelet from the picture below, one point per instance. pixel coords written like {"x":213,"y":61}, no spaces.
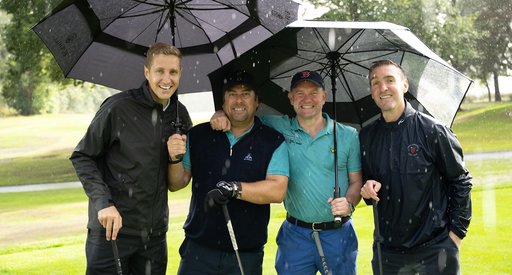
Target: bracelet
{"x":352,"y":208}
{"x":175,"y":161}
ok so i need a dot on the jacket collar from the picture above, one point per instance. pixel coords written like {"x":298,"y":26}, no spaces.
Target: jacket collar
{"x":148,"y":98}
{"x":408,"y":112}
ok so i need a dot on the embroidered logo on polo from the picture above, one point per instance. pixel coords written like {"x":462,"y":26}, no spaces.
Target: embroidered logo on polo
{"x":248,"y":157}
{"x":413,"y":149}
{"x":292,"y":138}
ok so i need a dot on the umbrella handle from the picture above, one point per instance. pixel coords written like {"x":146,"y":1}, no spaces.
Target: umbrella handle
{"x":179,"y":130}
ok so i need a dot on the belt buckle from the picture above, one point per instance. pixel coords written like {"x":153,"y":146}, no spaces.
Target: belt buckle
{"x":313,"y":226}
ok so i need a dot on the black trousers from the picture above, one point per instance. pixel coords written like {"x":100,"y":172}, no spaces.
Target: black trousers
{"x":197,"y":259}
{"x":440,"y":257}
{"x":139,"y":255}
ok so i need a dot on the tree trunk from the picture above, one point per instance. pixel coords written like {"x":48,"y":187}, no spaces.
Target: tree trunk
{"x":488,"y":90}
{"x":497,"y":95}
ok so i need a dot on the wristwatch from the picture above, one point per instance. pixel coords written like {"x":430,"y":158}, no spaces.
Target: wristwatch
{"x":238,"y":190}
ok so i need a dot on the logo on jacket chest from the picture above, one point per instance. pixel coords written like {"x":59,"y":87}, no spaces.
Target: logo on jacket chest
{"x":248,"y":157}
{"x":413,"y":150}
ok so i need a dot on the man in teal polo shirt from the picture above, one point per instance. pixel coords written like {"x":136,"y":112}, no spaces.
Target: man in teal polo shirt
{"x":309,"y":199}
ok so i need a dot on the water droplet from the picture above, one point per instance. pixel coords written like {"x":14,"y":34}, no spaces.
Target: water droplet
{"x":154,"y":116}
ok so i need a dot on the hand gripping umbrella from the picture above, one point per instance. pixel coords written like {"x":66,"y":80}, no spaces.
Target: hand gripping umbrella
{"x":342,"y":52}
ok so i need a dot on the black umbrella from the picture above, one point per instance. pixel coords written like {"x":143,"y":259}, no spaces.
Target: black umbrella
{"x":343,"y":52}
{"x":104,"y":42}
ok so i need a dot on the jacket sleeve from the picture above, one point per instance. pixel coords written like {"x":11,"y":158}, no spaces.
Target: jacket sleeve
{"x":86,"y":157}
{"x":456,"y":176}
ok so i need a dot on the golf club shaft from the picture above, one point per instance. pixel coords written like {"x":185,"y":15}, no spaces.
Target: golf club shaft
{"x":377,"y":235}
{"x":117,"y":260}
{"x":332,"y":62}
{"x":316,"y":237}
{"x":232,"y":236}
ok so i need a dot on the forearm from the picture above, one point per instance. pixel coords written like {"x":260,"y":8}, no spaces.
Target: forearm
{"x":460,"y":207}
{"x":92,"y":181}
{"x":177,"y":177}
{"x":354,"y":188}
{"x":270,"y":190}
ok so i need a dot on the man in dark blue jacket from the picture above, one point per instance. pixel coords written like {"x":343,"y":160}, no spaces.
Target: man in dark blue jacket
{"x":413,"y":167}
{"x":244,"y":169}
{"x":122,"y":162}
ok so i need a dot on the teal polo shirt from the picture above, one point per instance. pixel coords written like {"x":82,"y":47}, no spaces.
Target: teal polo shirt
{"x":311,"y":180}
{"x":279,"y":164}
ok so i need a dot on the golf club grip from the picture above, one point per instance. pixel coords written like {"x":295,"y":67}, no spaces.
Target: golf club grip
{"x":117,"y":260}
{"x":337,"y":219}
{"x":231,"y":231}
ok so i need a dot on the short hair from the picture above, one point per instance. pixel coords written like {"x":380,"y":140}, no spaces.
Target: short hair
{"x":161,"y":48}
{"x":385,"y":62}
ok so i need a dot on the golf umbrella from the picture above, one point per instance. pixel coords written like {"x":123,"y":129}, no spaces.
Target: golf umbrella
{"x":342,"y":52}
{"x":104,"y":42}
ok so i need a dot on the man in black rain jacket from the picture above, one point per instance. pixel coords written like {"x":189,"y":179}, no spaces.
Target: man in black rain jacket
{"x":122,"y":162}
{"x":413,"y":166}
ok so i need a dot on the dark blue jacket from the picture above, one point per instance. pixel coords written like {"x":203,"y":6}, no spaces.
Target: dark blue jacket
{"x":213,"y":160}
{"x":425,"y":186}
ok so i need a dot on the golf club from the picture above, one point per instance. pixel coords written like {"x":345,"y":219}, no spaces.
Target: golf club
{"x":316,"y":237}
{"x":117,"y":260}
{"x":232,"y":236}
{"x":376,"y":235}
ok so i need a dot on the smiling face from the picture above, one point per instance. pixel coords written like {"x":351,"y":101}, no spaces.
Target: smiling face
{"x":163,"y":75}
{"x":307,"y":99}
{"x":388,"y":85}
{"x":240,"y":104}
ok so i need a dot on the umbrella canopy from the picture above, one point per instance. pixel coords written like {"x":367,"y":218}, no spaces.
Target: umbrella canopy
{"x":342,"y":52}
{"x":104,"y":42}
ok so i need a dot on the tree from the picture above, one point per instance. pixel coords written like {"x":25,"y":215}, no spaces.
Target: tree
{"x":494,"y":23}
{"x":438,"y":23}
{"x":29,"y":65}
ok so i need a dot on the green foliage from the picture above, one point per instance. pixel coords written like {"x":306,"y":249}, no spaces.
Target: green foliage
{"x":29,"y":65}
{"x":440,"y":24}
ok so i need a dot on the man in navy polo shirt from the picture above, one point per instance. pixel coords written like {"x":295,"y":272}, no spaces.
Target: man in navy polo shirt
{"x":246,"y":168}
{"x":309,"y":199}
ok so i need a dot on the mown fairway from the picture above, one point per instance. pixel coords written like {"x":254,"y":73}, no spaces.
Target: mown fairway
{"x":43,"y":232}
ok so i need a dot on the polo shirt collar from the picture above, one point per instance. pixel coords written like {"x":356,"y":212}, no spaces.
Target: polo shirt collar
{"x":327,"y":129}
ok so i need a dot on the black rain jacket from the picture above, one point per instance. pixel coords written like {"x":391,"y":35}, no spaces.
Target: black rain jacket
{"x":425,"y":186}
{"x":122,"y":160}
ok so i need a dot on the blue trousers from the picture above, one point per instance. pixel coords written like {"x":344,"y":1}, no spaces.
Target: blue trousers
{"x":297,"y":252}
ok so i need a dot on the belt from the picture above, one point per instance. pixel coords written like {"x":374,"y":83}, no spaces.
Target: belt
{"x":317,"y":225}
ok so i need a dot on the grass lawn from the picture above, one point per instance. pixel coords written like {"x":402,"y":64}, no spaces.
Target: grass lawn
{"x":486,"y":128}
{"x":44,"y":232}
{"x":485,"y":250}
